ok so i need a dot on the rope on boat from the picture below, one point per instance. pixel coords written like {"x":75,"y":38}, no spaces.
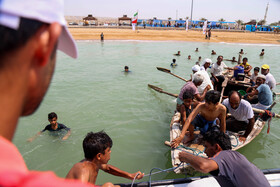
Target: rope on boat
{"x":150,"y":174}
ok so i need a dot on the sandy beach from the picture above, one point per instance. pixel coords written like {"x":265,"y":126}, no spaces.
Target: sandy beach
{"x":174,"y":35}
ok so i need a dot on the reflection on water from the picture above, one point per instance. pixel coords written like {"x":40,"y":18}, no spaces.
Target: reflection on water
{"x":93,"y":94}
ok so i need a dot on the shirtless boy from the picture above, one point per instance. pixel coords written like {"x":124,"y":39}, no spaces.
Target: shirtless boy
{"x":97,"y":151}
{"x":204,"y":116}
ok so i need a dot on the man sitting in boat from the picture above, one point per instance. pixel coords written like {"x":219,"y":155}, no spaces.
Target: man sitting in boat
{"x":269,"y":79}
{"x":204,"y":116}
{"x":97,"y":151}
{"x":217,"y":73}
{"x":246,"y":65}
{"x":263,"y":92}
{"x":191,"y":87}
{"x":206,"y":63}
{"x":230,"y":168}
{"x":242,"y":115}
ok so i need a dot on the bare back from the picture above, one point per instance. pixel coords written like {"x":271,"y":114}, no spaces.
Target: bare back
{"x":84,"y":171}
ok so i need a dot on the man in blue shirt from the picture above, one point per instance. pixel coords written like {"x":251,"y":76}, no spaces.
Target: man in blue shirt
{"x":264,"y":94}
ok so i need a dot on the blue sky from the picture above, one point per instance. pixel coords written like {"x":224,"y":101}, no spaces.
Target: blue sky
{"x":213,"y":10}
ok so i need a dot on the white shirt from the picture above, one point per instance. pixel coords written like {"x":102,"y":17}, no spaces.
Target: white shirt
{"x":217,"y":70}
{"x":243,"y":112}
{"x":270,"y":81}
{"x":206,"y":81}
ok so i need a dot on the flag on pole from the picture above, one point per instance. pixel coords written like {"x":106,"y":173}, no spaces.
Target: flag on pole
{"x":134,"y":20}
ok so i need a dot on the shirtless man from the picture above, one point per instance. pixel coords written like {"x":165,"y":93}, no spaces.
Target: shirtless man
{"x":204,"y":116}
{"x":178,"y":54}
{"x":97,"y":151}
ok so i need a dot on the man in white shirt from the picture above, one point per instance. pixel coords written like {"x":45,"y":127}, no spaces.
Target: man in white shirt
{"x":206,"y":63}
{"x":242,"y":115}
{"x":217,"y":73}
{"x":269,"y":79}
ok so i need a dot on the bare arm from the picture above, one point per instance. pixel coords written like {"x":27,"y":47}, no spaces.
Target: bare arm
{"x":117,"y":172}
{"x":67,"y":135}
{"x":255,"y":92}
{"x":223,"y":119}
{"x":183,"y":114}
{"x":200,"y":164}
{"x":34,"y":137}
{"x":248,"y":130}
{"x":201,"y":97}
{"x":175,"y":143}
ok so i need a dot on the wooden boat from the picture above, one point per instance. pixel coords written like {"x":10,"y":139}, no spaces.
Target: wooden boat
{"x":272,"y":175}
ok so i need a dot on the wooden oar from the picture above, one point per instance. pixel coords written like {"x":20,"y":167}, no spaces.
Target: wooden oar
{"x":168,"y":71}
{"x":161,"y":91}
{"x":224,"y":84}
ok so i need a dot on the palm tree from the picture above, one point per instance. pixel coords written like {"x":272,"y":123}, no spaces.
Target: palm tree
{"x":239,"y":22}
{"x":222,"y":20}
{"x":203,"y":19}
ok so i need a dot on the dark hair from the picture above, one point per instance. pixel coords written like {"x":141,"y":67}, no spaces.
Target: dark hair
{"x":13,"y":39}
{"x":257,"y":69}
{"x":125,"y":67}
{"x":234,"y":91}
{"x":174,"y":60}
{"x":52,"y":115}
{"x":262,"y":49}
{"x":218,"y":137}
{"x":245,"y":58}
{"x":95,"y":143}
{"x":220,"y":56}
{"x":212,"y":96}
{"x":187,"y":95}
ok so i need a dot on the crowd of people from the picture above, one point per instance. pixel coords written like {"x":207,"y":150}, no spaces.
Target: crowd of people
{"x":200,"y":106}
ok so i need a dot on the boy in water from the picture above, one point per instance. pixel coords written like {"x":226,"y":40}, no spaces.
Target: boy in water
{"x":204,"y":116}
{"x":97,"y":151}
{"x":53,"y":127}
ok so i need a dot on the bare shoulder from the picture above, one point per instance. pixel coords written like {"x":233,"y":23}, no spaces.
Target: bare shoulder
{"x":75,"y":171}
{"x":222,"y":108}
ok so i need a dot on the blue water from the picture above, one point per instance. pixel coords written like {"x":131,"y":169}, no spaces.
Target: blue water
{"x":93,"y":93}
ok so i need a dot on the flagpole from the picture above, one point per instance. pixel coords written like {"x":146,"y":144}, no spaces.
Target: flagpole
{"x":191,"y":12}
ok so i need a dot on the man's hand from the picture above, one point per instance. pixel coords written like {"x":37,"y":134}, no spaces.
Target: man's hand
{"x":175,"y":143}
{"x":208,"y":87}
{"x":139,"y":175}
{"x":242,"y":139}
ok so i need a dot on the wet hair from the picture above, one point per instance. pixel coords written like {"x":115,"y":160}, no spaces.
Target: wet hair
{"x":262,"y":49}
{"x":241,"y":49}
{"x":125,"y":67}
{"x":174,"y":60}
{"x":212,"y":96}
{"x":218,"y":137}
{"x":232,"y":92}
{"x":187,"y":95}
{"x":95,"y":143}
{"x":52,"y":115}
{"x":13,"y":39}
{"x":257,"y":69}
{"x":245,"y":58}
{"x":220,"y":56}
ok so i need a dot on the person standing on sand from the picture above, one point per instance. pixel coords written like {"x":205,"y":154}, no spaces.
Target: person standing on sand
{"x":209,"y":33}
{"x":102,"y":37}
{"x":97,"y":151}
{"x":33,"y":31}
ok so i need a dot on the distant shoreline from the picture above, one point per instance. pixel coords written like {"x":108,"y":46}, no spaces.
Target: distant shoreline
{"x":173,"y":34}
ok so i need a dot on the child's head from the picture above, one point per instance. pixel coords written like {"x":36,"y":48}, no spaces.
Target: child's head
{"x":187,"y":98}
{"x":174,"y":60}
{"x":95,"y":143}
{"x":256,"y":70}
{"x":52,"y":117}
{"x":212,"y":98}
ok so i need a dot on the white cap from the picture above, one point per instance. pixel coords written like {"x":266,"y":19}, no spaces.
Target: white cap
{"x":196,"y":68}
{"x":46,"y":11}
{"x":207,"y":60}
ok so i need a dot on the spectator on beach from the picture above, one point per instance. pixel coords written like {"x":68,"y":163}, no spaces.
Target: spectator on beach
{"x":230,"y":168}
{"x":54,"y":126}
{"x":270,"y":80}
{"x":191,"y":87}
{"x":102,"y":37}
{"x":173,"y":64}
{"x":217,"y":73}
{"x":263,"y":92}
{"x":196,"y":50}
{"x":213,"y":52}
{"x":209,"y":33}
{"x":31,"y":31}
{"x":242,"y":115}
{"x":97,"y":152}
{"x":204,"y":116}
{"x":178,"y":54}
{"x":262,"y":53}
{"x":246,"y":65}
